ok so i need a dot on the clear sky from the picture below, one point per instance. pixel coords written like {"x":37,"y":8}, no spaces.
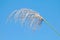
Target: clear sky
{"x":49,"y":9}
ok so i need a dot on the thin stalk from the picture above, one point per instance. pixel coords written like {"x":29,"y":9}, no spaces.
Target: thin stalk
{"x":51,"y":27}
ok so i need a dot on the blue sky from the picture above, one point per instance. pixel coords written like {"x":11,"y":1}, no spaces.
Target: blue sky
{"x":49,"y":9}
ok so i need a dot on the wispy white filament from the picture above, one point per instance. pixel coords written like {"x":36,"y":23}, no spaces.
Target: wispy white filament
{"x":24,"y":14}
